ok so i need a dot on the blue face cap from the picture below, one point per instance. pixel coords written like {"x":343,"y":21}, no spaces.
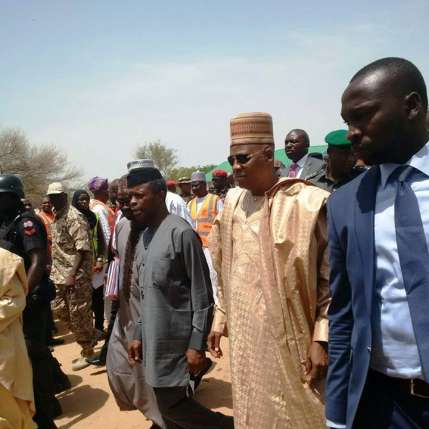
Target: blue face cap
{"x":338,"y":138}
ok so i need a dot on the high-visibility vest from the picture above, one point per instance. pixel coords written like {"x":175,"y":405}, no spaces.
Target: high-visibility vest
{"x":94,"y":238}
{"x":47,"y":221}
{"x":205,"y":217}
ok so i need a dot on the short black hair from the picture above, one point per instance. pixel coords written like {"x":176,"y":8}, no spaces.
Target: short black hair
{"x":302,"y":132}
{"x":406,"y":75}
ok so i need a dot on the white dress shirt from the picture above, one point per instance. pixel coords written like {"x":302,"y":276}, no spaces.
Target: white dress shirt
{"x":301,"y":164}
{"x":394,"y":350}
{"x":176,"y":205}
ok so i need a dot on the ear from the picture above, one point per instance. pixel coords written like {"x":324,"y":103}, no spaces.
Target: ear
{"x":162,"y":195}
{"x":413,"y":105}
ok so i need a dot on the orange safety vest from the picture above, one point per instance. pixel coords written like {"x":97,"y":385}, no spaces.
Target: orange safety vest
{"x":205,"y":217}
{"x":47,"y":221}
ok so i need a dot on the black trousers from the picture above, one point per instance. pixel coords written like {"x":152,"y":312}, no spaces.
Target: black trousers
{"x":50,"y":325}
{"x":35,"y":319}
{"x":98,"y":307}
{"x":385,"y":406}
{"x":181,"y":412}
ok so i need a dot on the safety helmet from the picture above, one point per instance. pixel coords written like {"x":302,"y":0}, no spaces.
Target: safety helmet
{"x":11,"y":184}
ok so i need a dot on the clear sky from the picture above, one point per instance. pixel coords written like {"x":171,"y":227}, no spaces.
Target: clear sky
{"x":96,"y":78}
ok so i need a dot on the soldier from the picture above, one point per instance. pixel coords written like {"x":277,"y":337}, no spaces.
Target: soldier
{"x":341,"y":163}
{"x":220,"y":183}
{"x":22,"y":233}
{"x":184,"y":184}
{"x":72,"y":271}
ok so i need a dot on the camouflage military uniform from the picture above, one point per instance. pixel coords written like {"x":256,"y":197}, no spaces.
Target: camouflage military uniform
{"x":70,"y":234}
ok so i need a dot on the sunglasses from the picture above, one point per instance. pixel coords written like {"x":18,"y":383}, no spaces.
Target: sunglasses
{"x":241,"y":158}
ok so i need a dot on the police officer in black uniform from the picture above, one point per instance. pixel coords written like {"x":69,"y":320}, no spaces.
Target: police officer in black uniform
{"x":23,"y":233}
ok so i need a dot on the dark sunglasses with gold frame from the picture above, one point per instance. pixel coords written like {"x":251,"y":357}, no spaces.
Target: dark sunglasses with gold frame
{"x":241,"y":158}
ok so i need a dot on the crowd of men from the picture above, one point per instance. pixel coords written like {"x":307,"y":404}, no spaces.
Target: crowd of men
{"x":317,"y":274}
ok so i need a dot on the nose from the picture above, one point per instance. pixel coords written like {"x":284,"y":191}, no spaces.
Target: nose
{"x":236,"y":166}
{"x":133,"y":201}
{"x":354,"y":134}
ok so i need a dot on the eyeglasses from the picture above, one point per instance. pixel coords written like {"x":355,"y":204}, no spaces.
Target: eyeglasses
{"x":241,"y":158}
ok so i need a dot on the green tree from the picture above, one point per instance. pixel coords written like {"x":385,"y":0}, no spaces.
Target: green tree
{"x":178,"y":172}
{"x":165,"y":159}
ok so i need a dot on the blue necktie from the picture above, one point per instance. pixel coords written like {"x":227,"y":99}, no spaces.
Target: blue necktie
{"x":414,"y":260}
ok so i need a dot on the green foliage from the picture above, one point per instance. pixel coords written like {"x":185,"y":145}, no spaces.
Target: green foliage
{"x":177,"y":173}
{"x":164,"y":158}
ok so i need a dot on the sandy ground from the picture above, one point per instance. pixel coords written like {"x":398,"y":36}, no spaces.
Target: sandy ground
{"x":90,"y":404}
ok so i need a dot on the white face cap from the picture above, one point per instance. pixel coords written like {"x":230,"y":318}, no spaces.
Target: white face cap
{"x":140,"y":163}
{"x":198,"y":176}
{"x":55,"y":188}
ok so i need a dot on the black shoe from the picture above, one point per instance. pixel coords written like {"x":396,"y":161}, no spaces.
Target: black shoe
{"x":96,"y":360}
{"x":55,"y":342}
{"x":44,"y":422}
{"x":61,"y":381}
{"x":57,"y":410}
{"x":62,"y":384}
{"x":227,"y":422}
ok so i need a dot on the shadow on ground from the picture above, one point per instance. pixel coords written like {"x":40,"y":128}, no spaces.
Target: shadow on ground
{"x":80,"y":402}
{"x":99,"y":371}
{"x":215,"y":393}
{"x":74,"y":379}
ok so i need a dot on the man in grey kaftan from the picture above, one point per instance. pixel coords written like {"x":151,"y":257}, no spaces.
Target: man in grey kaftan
{"x":127,"y":382}
{"x":176,"y":314}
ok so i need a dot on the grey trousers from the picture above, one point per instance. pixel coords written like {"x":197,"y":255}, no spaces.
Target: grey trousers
{"x":181,"y":412}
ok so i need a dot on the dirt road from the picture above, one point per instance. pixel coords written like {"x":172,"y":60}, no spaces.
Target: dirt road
{"x":90,"y":404}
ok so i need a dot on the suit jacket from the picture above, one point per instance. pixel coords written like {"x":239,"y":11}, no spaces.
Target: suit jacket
{"x":312,"y":165}
{"x":352,"y":281}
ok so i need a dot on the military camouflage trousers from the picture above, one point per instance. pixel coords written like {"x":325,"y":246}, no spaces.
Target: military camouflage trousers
{"x":73,"y":306}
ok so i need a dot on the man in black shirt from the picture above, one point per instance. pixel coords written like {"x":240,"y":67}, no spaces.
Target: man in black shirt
{"x":23,"y":233}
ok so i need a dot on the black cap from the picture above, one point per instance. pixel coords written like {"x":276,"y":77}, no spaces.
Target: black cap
{"x":11,"y":184}
{"x":142,"y":175}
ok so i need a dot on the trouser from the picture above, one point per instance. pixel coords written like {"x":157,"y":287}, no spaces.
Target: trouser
{"x":114,"y":311}
{"x":97,"y":307}
{"x":50,"y":326}
{"x":35,"y":319}
{"x":181,"y":412}
{"x":73,"y":306}
{"x":385,"y":404}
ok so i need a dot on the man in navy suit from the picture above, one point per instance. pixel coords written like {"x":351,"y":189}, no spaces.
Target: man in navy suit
{"x":378,"y":238}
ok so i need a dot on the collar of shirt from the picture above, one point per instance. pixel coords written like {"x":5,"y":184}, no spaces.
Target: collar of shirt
{"x":302,"y":161}
{"x":420,"y":161}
